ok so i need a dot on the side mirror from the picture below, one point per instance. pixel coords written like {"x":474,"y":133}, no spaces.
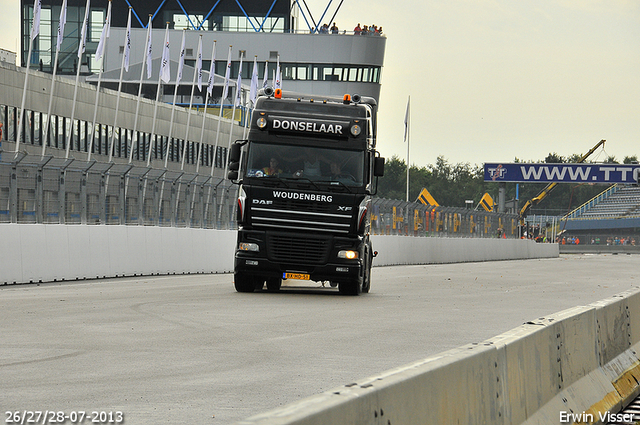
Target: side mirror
{"x":234,"y":153}
{"x":378,"y":167}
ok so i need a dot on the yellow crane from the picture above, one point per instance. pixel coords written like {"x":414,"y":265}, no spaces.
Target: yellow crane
{"x":524,"y":211}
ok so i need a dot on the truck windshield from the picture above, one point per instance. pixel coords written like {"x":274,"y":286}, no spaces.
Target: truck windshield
{"x":303,"y":162}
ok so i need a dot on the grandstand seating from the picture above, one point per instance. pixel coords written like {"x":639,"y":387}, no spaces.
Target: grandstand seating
{"x":621,"y":203}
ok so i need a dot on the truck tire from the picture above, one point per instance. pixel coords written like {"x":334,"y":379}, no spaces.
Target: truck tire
{"x":247,"y":283}
{"x":350,"y":288}
{"x":366,"y":280}
{"x":366,"y":284}
{"x":274,"y":284}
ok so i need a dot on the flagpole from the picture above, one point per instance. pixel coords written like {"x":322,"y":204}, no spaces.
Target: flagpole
{"x":177,"y":84}
{"x":224,"y":94}
{"x":186,"y":136}
{"x":35,"y":30}
{"x":163,"y":75}
{"x":277,"y":83}
{"x":407,"y":134}
{"x":61,"y":23}
{"x":209,"y":90}
{"x":125,"y":64}
{"x":265,"y":78}
{"x":83,"y":37}
{"x":99,"y":55}
{"x":146,"y":60}
{"x":206,"y":101}
{"x":253,"y":93}
{"x":233,"y":115}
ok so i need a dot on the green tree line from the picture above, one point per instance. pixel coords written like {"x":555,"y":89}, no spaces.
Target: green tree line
{"x":453,"y":184}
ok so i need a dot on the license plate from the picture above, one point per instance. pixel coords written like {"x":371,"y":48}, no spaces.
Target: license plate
{"x":300,"y":276}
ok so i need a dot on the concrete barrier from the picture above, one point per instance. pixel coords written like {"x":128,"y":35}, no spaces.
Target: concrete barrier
{"x":576,"y":366}
{"x":53,"y":252}
{"x":397,"y":250}
{"x":46,"y":252}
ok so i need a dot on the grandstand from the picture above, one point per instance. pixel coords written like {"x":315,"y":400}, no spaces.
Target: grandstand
{"x":610,"y":219}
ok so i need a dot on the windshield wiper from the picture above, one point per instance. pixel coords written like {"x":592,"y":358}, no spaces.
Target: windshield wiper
{"x":299,"y":180}
{"x":273,"y":181}
{"x":335,"y":184}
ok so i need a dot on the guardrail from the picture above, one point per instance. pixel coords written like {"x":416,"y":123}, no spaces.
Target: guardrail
{"x":577,"y":366}
{"x":51,"y":190}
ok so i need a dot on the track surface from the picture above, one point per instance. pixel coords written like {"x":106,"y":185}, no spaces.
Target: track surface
{"x":189,"y":349}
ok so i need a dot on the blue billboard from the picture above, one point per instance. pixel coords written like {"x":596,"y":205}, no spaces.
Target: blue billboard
{"x":561,"y":173}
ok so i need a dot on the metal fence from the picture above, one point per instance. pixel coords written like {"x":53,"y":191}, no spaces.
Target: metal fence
{"x":55,"y":190}
{"x":394,"y":217}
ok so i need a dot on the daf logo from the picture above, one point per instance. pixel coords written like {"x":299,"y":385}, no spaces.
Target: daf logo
{"x":341,"y":208}
{"x":262,"y":202}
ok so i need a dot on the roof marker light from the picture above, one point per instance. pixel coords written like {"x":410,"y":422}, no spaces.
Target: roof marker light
{"x":346,"y":99}
{"x":278,"y":94}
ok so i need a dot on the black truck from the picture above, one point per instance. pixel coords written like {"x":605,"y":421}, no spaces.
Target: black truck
{"x":306,"y":175}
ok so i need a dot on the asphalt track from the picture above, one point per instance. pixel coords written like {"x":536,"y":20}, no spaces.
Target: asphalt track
{"x":189,"y":349}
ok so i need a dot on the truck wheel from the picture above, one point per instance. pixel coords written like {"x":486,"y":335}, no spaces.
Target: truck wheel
{"x":350,"y":288}
{"x":247,"y":283}
{"x":366,"y":280}
{"x":366,"y":285}
{"x":274,"y":284}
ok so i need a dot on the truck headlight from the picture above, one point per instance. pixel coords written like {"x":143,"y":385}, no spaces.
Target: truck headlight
{"x":348,"y":254}
{"x":246,"y":246}
{"x":262,"y":122}
{"x":356,"y":130}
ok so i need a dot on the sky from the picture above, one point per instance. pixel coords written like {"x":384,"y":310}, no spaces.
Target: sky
{"x":494,"y":80}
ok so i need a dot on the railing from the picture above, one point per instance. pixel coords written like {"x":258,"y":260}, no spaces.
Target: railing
{"x":590,"y":203}
{"x":394,"y":217}
{"x":55,"y":190}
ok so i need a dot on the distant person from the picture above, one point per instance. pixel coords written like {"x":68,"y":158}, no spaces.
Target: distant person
{"x":357,"y":30}
{"x":272,"y":169}
{"x":334,"y":29}
{"x":324,"y":29}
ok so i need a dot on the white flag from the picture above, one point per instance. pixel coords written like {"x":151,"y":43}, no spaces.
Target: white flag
{"x":253,"y":92}
{"x":406,"y":119}
{"x":165,"y":70}
{"x":61,"y":23}
{"x":239,"y":86}
{"x":83,"y":34}
{"x":277,"y":84}
{"x":149,"y":48}
{"x":105,"y":34}
{"x":227,"y":75}
{"x":35,"y":27}
{"x":212,"y":70}
{"x":127,"y":43}
{"x":265,"y":80}
{"x":181,"y":61}
{"x":199,"y":63}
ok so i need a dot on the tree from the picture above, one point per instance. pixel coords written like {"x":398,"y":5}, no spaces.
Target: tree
{"x":452,"y":184}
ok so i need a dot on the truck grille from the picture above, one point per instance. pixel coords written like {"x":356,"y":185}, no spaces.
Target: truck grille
{"x":296,"y":216}
{"x":290,"y":249}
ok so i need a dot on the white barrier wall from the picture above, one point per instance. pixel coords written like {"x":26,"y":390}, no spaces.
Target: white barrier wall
{"x":395,"y":250}
{"x":572,"y":367}
{"x":47,"y":252}
{"x":51,"y":252}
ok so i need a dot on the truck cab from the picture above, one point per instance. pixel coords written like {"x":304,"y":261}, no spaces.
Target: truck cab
{"x":306,"y":172}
